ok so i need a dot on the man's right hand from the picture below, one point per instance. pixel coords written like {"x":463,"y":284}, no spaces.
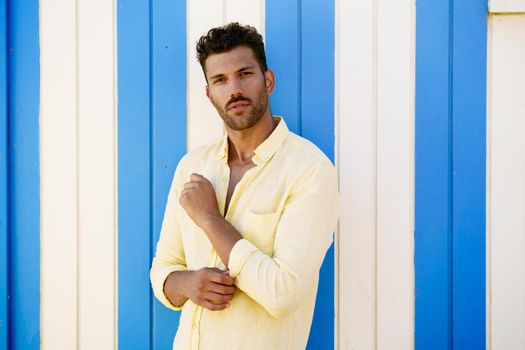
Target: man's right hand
{"x":208,"y":287}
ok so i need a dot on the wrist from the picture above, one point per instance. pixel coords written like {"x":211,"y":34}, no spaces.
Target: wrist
{"x":210,"y":222}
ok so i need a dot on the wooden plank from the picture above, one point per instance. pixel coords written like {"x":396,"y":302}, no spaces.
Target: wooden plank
{"x":168,"y":143}
{"x":507,"y":187}
{"x":4,"y":185}
{"x":202,"y":15}
{"x":134,"y":218}
{"x":283,"y":55}
{"x":24,"y":173}
{"x":317,"y":120}
{"x":469,"y":172}
{"x":96,"y":175}
{"x":357,"y":174}
{"x":58,"y":131}
{"x":395,"y":178}
{"x":433,"y":186}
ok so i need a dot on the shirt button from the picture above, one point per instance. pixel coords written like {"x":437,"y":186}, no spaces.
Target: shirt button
{"x":193,"y":326}
{"x":225,"y":179}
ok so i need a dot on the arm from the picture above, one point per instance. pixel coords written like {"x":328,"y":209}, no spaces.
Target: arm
{"x":302,"y":237}
{"x":172,"y":284}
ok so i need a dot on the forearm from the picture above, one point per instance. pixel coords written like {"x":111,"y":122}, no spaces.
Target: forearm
{"x":222,"y":235}
{"x":175,"y":287}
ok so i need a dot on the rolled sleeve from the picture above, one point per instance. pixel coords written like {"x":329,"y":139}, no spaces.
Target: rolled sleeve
{"x":239,"y":254}
{"x":303,"y":235}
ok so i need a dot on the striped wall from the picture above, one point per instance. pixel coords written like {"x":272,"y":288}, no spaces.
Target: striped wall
{"x":430,"y":155}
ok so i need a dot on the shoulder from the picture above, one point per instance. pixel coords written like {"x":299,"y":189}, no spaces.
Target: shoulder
{"x":302,"y":151}
{"x":196,"y":159}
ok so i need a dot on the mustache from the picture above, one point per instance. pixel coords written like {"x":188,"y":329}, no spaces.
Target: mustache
{"x":237,"y":99}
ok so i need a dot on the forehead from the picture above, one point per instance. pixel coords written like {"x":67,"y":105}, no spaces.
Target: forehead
{"x":230,"y":61}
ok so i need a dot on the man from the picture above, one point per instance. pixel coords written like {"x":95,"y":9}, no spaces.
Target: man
{"x":248,"y":219}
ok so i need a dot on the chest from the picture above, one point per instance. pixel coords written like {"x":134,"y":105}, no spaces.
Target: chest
{"x":236,"y":174}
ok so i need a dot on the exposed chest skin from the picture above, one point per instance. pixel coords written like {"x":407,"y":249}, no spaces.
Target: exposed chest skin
{"x":237,"y":171}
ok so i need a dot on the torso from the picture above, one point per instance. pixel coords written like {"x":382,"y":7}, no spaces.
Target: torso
{"x":237,"y":171}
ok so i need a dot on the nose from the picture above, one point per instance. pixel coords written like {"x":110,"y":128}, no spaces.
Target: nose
{"x":236,"y":87}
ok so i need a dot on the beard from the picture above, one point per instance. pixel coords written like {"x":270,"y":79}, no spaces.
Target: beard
{"x":247,"y":118}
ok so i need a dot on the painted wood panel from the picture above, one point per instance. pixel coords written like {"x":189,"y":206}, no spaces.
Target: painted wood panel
{"x":506,"y":185}
{"x":375,"y":95}
{"x":4,"y":185}
{"x":395,"y":174}
{"x":24,"y":174}
{"x":78,"y":162}
{"x":59,"y":174}
{"x":96,"y":154}
{"x":203,"y":15}
{"x":357,"y":119}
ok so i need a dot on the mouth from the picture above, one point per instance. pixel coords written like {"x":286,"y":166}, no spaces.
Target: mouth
{"x":237,"y":106}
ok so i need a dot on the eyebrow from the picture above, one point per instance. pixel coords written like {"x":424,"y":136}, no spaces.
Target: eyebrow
{"x":238,"y":70}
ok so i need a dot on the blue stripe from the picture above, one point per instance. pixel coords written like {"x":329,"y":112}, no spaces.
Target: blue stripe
{"x":450,"y":174}
{"x":283,"y":55}
{"x":134,"y":176}
{"x":433,"y":186}
{"x":168,"y":103}
{"x":469,"y":172}
{"x":24,"y":174}
{"x":300,"y":50}
{"x":152,"y":139}
{"x":4,"y":260}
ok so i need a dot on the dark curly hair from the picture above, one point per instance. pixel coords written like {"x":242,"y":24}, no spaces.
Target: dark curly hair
{"x":228,"y":37}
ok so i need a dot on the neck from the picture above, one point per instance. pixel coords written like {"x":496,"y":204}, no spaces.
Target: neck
{"x":242,"y":143}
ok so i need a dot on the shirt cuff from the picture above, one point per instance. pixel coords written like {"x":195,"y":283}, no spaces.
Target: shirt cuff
{"x":240,"y":252}
{"x":158,"y":286}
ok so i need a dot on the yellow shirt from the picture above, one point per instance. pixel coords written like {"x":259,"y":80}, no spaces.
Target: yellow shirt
{"x":286,"y":208}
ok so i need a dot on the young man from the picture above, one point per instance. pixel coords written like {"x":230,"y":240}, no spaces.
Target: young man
{"x":248,"y":219}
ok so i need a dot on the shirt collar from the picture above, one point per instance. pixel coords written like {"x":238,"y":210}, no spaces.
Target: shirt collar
{"x":267,"y":148}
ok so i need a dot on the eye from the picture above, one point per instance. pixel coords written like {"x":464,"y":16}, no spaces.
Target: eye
{"x":218,"y":81}
{"x":244,"y":74}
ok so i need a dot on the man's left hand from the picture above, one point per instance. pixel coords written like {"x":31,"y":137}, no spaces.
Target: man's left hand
{"x":198,"y":200}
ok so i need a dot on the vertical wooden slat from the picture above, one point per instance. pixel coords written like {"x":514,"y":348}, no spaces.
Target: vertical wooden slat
{"x":469,"y":60}
{"x":283,"y":54}
{"x":96,"y":166}
{"x":395,"y":119}
{"x":317,"y":125}
{"x":202,"y":15}
{"x":4,"y":189}
{"x":134,"y":256}
{"x":168,"y":130}
{"x":433,"y":184}
{"x":59,"y":173}
{"x":357,"y":173}
{"x":507,"y":186}
{"x":24,"y":174}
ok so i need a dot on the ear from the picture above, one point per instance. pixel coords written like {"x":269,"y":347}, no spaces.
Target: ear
{"x":269,"y":80}
{"x":207,"y":91}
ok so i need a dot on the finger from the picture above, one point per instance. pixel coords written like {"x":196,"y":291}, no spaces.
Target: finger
{"x":222,"y":289}
{"x":222,"y":278}
{"x":217,"y":298}
{"x":214,"y":307}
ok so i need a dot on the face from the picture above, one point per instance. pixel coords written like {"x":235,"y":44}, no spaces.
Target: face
{"x":237,"y":87}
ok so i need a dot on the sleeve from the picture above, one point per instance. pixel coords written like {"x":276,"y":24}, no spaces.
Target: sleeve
{"x":169,"y":256}
{"x":302,"y":237}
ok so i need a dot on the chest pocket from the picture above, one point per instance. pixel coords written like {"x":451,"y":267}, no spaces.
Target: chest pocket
{"x":259,"y":229}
